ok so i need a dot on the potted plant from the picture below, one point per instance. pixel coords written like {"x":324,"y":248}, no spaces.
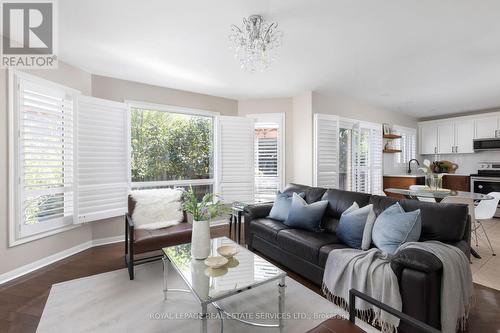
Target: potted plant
{"x":202,"y":212}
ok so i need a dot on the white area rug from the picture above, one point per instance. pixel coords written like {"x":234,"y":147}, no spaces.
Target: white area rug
{"x":110,"y":302}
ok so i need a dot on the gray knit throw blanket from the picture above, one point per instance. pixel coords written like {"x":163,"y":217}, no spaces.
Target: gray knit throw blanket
{"x":370,"y":273}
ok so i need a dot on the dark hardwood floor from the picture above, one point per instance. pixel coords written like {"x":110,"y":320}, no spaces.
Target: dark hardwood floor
{"x":22,"y":300}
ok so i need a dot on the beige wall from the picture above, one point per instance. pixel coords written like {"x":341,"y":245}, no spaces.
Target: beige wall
{"x":274,"y":105}
{"x":121,"y":90}
{"x":11,"y":258}
{"x":336,"y":104}
{"x":102,"y":87}
{"x":302,"y":138}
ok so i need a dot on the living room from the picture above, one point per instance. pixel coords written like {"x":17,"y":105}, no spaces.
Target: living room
{"x":292,"y":166}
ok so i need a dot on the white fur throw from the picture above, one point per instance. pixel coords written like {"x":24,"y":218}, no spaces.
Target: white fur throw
{"x":157,"y":208}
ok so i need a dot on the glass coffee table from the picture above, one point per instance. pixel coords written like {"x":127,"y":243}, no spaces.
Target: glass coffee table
{"x":243,"y":272}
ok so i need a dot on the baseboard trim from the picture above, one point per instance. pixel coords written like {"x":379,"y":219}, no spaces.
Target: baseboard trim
{"x":107,"y":240}
{"x":23,"y":270}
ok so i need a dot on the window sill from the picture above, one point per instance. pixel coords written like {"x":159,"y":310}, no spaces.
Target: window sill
{"x":14,"y":242}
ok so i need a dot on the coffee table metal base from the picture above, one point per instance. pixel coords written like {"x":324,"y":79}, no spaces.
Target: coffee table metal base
{"x":220,"y":310}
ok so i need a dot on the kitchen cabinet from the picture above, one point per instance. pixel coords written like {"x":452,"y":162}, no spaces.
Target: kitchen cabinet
{"x":456,"y":182}
{"x":485,"y":127}
{"x":404,"y":182}
{"x":447,"y":137}
{"x":464,"y":136}
{"x":428,"y":138}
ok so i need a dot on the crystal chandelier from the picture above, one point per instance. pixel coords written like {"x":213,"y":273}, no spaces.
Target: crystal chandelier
{"x":256,"y":43}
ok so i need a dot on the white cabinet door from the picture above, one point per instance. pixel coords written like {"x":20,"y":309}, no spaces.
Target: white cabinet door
{"x":428,"y":139}
{"x":485,"y":127}
{"x":446,"y":138}
{"x":464,"y":134}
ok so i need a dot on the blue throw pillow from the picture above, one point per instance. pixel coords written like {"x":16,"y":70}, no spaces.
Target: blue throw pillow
{"x":305,"y":216}
{"x":352,"y":225}
{"x":281,"y":206}
{"x":394,"y":227}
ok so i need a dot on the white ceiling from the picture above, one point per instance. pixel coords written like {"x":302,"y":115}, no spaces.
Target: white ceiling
{"x":419,"y":57}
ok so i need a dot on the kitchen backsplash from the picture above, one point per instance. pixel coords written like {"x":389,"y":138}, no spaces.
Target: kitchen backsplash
{"x":467,"y":163}
{"x":391,"y":167}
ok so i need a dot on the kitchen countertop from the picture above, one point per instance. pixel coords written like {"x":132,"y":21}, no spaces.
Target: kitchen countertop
{"x":415,"y":175}
{"x":405,"y":175}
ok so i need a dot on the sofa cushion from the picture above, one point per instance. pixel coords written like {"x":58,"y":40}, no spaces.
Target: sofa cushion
{"x":440,"y":221}
{"x":338,"y":202}
{"x":352,"y":225}
{"x":157,"y":208}
{"x":395,"y":226}
{"x":266,"y":228}
{"x":324,"y":251}
{"x":295,"y":188}
{"x":281,"y":206}
{"x":305,"y":216}
{"x":152,"y":240}
{"x":312,"y":194}
{"x":303,"y":243}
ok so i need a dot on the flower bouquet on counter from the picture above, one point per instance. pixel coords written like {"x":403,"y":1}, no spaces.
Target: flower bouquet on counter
{"x":433,"y":180}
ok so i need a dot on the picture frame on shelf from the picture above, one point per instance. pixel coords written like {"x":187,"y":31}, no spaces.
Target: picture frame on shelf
{"x":386,"y":129}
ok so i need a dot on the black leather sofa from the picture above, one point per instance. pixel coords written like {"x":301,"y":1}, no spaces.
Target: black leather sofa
{"x":305,"y":252}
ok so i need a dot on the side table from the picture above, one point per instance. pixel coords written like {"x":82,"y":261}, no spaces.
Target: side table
{"x":237,"y":209}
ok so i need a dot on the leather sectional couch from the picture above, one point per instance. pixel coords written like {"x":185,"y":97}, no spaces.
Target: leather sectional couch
{"x":306,"y":252}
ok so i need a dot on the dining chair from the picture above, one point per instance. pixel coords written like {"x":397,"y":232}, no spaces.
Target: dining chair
{"x":421,"y":187}
{"x":486,"y":210}
{"x":474,"y":226}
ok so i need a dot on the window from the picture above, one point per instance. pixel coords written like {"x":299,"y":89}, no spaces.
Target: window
{"x":360,"y":157}
{"x":268,"y":159}
{"x":345,"y":158}
{"x":407,"y":144}
{"x":171,"y":147}
{"x":41,"y":156}
{"x":348,"y":154}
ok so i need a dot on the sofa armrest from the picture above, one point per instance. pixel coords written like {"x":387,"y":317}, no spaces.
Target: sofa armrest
{"x":256,"y":211}
{"x":415,"y":259}
{"x":253,"y":212}
{"x":419,"y":276}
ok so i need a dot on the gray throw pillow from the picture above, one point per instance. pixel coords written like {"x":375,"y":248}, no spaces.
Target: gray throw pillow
{"x":281,"y":206}
{"x":306,"y":216}
{"x":394,"y":227}
{"x":355,"y":226}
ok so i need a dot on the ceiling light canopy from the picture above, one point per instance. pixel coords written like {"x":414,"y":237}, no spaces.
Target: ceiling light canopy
{"x":255,"y":43}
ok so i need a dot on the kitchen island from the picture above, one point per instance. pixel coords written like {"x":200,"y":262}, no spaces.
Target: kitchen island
{"x":455,"y":182}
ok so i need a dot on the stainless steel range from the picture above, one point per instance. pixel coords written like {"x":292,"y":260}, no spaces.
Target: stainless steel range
{"x":486,"y":180}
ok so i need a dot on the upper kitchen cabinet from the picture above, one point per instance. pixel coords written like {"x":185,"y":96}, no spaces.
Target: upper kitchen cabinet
{"x":464,"y":134}
{"x":448,"y":136}
{"x":428,"y":133}
{"x":485,"y":127}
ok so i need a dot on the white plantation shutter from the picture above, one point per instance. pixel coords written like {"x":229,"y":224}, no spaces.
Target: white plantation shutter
{"x":269,"y":154}
{"x":235,"y":159}
{"x":360,"y":159}
{"x":326,"y":151}
{"x":103,"y":162}
{"x":367,"y":158}
{"x":267,"y":178}
{"x":45,"y":157}
{"x":376,"y":160}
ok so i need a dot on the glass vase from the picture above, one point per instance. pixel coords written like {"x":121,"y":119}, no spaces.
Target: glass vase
{"x":433,"y":181}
